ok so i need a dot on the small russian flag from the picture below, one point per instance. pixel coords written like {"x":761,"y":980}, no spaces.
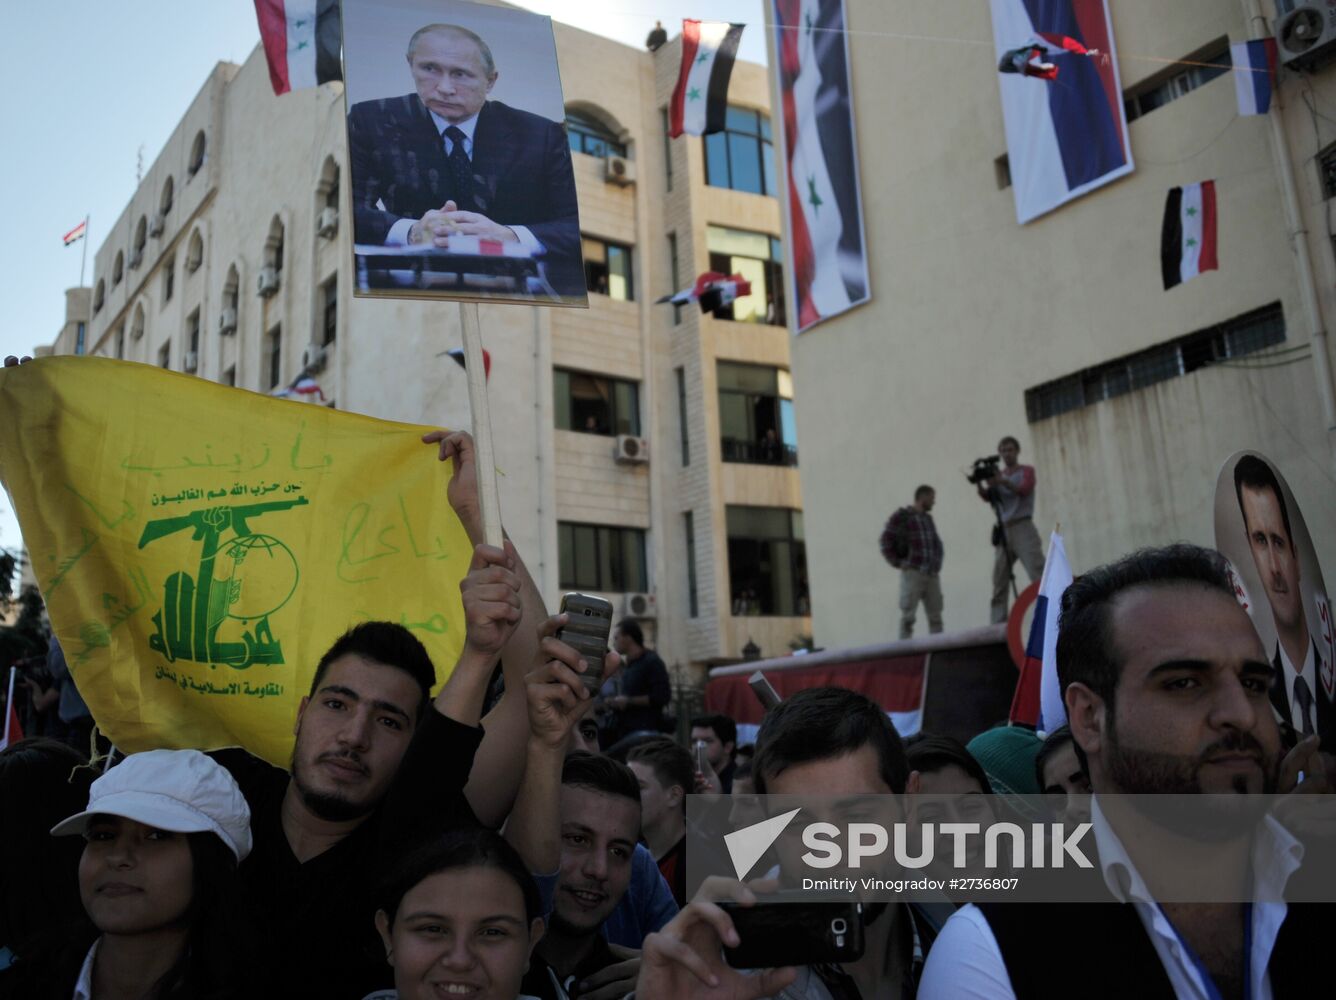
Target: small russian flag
{"x":1038,"y":698}
{"x":1254,"y":74}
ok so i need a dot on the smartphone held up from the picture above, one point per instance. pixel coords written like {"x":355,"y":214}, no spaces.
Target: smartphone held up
{"x":588,"y":625}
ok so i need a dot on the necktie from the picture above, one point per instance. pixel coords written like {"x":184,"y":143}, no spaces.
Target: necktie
{"x":460,"y":170}
{"x":1305,"y":697}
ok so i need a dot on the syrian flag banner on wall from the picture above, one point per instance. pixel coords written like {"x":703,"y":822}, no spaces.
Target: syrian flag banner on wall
{"x":301,"y":40}
{"x":1038,"y":698}
{"x":1066,"y":130}
{"x":826,"y":247}
{"x":1187,"y":238}
{"x":700,"y":99}
{"x":1254,"y":74}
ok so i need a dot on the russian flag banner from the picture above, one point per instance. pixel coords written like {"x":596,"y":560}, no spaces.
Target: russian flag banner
{"x":1254,"y":74}
{"x":1066,"y":133}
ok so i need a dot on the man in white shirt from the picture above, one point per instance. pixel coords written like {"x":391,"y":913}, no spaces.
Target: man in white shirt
{"x":1304,"y":683}
{"x":1166,"y":686}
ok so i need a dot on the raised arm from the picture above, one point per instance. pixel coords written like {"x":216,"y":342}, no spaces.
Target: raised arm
{"x":498,"y":765}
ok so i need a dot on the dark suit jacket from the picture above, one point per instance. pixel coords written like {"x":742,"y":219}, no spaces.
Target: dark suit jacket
{"x":521,"y":170}
{"x":1325,"y":708}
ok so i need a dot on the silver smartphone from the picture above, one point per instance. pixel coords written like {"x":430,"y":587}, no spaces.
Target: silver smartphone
{"x":588,"y":625}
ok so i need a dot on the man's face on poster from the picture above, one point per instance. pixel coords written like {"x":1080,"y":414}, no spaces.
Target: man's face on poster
{"x":1273,"y":553}
{"x":451,"y":75}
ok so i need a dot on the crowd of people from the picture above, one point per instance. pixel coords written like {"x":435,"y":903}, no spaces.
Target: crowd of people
{"x":500,"y":848}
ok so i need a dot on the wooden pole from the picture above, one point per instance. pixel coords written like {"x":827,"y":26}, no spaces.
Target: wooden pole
{"x":476,"y":371}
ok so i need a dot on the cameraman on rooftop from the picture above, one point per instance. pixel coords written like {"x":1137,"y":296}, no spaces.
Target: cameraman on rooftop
{"x":1012,"y":491}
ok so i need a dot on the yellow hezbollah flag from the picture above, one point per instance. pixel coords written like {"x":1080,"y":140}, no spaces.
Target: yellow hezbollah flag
{"x":200,"y":547}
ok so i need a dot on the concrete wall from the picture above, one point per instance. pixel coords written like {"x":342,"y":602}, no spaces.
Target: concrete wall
{"x":970,"y":309}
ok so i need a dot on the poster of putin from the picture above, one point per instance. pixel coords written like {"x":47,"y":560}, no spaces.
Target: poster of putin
{"x":462,"y":183}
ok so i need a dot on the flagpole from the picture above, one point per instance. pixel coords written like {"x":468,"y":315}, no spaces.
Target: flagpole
{"x":476,"y":371}
{"x":9,"y":706}
{"x":83,"y":258}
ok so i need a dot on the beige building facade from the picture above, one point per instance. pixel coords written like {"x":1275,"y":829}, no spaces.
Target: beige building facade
{"x":233,"y":261}
{"x":1126,"y":398}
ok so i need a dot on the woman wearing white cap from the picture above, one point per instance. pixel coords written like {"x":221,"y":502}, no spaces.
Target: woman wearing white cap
{"x":165,"y":831}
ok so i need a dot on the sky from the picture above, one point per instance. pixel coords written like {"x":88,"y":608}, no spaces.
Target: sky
{"x":92,"y":87}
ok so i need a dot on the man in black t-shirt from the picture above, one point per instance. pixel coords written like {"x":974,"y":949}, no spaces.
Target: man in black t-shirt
{"x":645,"y":687}
{"x":378,"y":765}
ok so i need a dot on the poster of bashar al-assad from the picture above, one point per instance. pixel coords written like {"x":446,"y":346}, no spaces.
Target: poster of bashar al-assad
{"x":1261,"y":531}
{"x":462,"y":185}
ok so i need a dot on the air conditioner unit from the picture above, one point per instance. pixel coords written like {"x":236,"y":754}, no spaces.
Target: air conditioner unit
{"x":191,"y":361}
{"x":267,"y":283}
{"x":313,"y":358}
{"x":136,"y":258}
{"x":227,"y":321}
{"x":158,"y":224}
{"x":631,"y":450}
{"x":328,"y":222}
{"x":641,"y":606}
{"x":619,"y":170}
{"x":1305,"y":32}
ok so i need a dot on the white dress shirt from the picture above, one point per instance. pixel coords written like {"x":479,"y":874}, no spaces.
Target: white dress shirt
{"x":83,"y":987}
{"x":398,"y":234}
{"x":965,"y":962}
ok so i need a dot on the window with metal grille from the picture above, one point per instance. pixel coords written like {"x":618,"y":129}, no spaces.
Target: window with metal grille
{"x":1245,"y":334}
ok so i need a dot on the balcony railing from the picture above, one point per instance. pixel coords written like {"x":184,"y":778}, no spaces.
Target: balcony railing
{"x":759,"y":452}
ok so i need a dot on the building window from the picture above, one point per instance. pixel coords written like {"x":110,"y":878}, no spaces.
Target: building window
{"x":1326,"y":165}
{"x":1203,"y":67}
{"x":194,"y":252}
{"x":682,"y":414}
{"x":141,"y":238}
{"x":80,"y":339}
{"x":230,"y":376}
{"x":120,"y":341}
{"x":590,"y":136}
{"x":273,"y":246}
{"x":756,"y":414}
{"x":689,"y":525}
{"x":592,"y":404}
{"x":758,"y":258}
{"x":192,"y":325}
{"x":168,"y":278}
{"x":608,"y":269}
{"x":1002,"y":172}
{"x":594,"y":557}
{"x":165,"y":355}
{"x":742,"y":156}
{"x":331,"y":328}
{"x":667,"y":148}
{"x":100,"y":295}
{"x":118,"y":268}
{"x":674,"y":276}
{"x":165,"y":202}
{"x":767,"y":561}
{"x":1220,"y":344}
{"x":275,"y":356}
{"x":196,"y":154}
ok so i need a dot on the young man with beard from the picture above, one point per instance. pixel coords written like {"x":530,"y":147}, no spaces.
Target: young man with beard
{"x":1166,"y":686}
{"x":377,"y":764}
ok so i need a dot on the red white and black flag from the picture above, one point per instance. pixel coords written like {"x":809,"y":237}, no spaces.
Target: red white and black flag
{"x":1187,"y":237}
{"x":700,"y":99}
{"x":301,"y":42}
{"x":712,"y":291}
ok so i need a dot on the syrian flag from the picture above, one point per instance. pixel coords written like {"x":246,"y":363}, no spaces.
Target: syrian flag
{"x":301,"y":40}
{"x":1038,"y":698}
{"x":1254,"y":74}
{"x":1187,"y":238}
{"x":458,"y":354}
{"x":700,"y":99}
{"x":76,"y":234}
{"x":712,"y":290}
{"x":303,"y":388}
{"x":13,"y":731}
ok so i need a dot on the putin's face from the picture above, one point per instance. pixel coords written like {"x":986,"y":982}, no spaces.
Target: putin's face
{"x":450,"y":75}
{"x":1274,"y":554}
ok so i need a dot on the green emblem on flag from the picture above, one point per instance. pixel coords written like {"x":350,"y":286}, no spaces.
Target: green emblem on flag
{"x":703,"y":57}
{"x":301,"y":45}
{"x":1191,"y":242}
{"x":693,"y":94}
{"x":1192,"y":210}
{"x":813,"y":198}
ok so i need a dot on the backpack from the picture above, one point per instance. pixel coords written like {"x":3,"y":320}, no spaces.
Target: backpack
{"x":895,"y":539}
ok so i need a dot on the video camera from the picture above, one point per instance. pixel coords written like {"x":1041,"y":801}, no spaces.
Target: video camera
{"x":984,"y":469}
